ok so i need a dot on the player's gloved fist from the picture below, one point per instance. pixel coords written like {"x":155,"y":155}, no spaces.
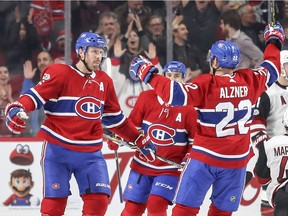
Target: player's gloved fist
{"x":112,"y":145}
{"x":274,"y":34}
{"x":259,"y":139}
{"x":142,"y":68}
{"x":14,"y":113}
{"x":148,"y":152}
{"x":146,"y":148}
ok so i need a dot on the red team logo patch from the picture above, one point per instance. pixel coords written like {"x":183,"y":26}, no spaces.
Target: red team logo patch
{"x":161,"y":134}
{"x":88,"y":108}
{"x":130,"y":187}
{"x":56,"y":186}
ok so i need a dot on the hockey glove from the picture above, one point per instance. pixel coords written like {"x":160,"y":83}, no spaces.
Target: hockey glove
{"x":146,"y":148}
{"x":15,"y":113}
{"x":142,"y":68}
{"x":148,"y":152}
{"x":274,"y":34}
{"x":112,"y":145}
{"x":259,"y":139}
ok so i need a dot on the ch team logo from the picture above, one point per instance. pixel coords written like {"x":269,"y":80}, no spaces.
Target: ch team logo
{"x":161,"y":135}
{"x":130,"y":101}
{"x":88,"y":108}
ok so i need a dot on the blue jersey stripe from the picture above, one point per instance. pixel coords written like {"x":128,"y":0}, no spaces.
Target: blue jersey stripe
{"x":272,"y":71}
{"x":179,"y":96}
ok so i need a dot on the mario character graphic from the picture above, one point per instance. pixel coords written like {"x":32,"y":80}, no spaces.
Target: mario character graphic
{"x":21,"y":184}
{"x":22,"y":155}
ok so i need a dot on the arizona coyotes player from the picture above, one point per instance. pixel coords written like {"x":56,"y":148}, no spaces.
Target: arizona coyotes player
{"x":77,"y":101}
{"x":152,"y":184}
{"x":224,"y":100}
{"x":272,"y":168}
{"x":267,"y":120}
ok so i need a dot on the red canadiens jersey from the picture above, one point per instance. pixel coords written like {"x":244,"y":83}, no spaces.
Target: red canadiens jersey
{"x":225,"y":107}
{"x":56,"y":8}
{"x":76,"y":105}
{"x":171,"y":129}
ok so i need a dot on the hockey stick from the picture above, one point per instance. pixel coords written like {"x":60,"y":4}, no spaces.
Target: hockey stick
{"x":124,"y":143}
{"x":118,"y":176}
{"x":271,"y":13}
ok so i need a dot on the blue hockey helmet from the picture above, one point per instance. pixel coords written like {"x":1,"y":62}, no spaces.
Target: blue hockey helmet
{"x":175,"y":66}
{"x":227,"y":53}
{"x":87,"y":39}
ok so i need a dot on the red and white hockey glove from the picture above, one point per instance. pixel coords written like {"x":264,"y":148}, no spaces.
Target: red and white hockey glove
{"x":15,"y":113}
{"x":146,"y":147}
{"x":142,"y":68}
{"x":274,"y":34}
{"x":259,"y":139}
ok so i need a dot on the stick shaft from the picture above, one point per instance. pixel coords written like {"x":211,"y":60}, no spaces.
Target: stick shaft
{"x":271,"y":15}
{"x":124,"y":143}
{"x":118,"y":176}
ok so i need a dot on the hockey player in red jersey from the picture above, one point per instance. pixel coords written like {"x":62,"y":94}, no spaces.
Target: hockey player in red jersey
{"x":224,"y":100}
{"x":152,"y":184}
{"x":271,"y":168}
{"x":77,"y":100}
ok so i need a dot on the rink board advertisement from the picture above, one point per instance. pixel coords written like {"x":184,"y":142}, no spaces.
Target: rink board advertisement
{"x":18,"y":154}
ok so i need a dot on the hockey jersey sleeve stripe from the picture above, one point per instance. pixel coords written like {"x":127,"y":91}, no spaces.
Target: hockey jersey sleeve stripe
{"x":37,"y":99}
{"x":178,"y":96}
{"x":273,"y":72}
{"x":113,"y":121}
{"x":33,"y":99}
{"x":258,"y":127}
{"x":69,"y":141}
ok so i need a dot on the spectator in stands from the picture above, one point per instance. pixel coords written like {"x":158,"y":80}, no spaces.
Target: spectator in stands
{"x":48,"y":17}
{"x":125,"y":11}
{"x":31,"y":78}
{"x":109,"y":28}
{"x":250,"y":26}
{"x":157,"y":35}
{"x":201,"y":19}
{"x":284,"y":24}
{"x":86,"y":14}
{"x":22,"y":43}
{"x":187,"y":53}
{"x":135,"y":42}
{"x":282,"y":9}
{"x":7,"y":17}
{"x":58,"y":49}
{"x":250,"y":55}
{"x":162,"y":11}
{"x":127,"y":89}
{"x":5,"y":98}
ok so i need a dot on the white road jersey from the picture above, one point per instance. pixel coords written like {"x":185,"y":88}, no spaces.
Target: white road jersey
{"x":276,"y":150}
